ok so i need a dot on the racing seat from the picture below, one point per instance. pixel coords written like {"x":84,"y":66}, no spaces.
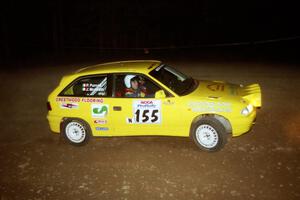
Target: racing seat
{"x":120,"y":88}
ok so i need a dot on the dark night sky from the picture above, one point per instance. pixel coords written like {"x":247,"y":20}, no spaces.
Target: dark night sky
{"x":50,"y":26}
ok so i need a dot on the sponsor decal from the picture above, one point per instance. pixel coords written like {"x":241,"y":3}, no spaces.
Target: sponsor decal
{"x":92,"y":87}
{"x":102,"y":129}
{"x":100,"y":121}
{"x":67,"y":99}
{"x":146,"y":112}
{"x":129,"y":120}
{"x":78,"y":99}
{"x":69,"y":105}
{"x":99,"y":110}
{"x":168,"y":102}
{"x":92,"y":100}
{"x":210,"y":106}
{"x":216,"y":87}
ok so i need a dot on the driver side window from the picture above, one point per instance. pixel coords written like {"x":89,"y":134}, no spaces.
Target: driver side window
{"x":134,"y":86}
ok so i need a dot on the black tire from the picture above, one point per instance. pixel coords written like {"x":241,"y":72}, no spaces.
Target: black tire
{"x":71,"y":127}
{"x":209,"y":134}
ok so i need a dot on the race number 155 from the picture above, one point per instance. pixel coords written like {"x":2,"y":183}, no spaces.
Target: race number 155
{"x":146,"y":116}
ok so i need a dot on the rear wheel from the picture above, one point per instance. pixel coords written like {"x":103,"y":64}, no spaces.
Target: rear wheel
{"x":209,"y":134}
{"x":76,"y":131}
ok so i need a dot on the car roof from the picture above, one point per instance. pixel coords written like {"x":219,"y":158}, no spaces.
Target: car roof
{"x":137,"y":66}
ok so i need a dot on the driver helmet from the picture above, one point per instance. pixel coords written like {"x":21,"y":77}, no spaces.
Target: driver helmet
{"x":127,"y":80}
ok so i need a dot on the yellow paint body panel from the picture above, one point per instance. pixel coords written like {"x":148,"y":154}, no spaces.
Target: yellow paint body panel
{"x":176,"y":113}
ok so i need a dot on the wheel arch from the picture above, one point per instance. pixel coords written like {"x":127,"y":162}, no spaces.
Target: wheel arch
{"x":223,"y":120}
{"x":74,"y":118}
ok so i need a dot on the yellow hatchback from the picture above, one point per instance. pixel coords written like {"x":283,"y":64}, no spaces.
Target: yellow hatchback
{"x":147,"y":97}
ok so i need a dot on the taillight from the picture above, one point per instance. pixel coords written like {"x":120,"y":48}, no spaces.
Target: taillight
{"x":49,"y":106}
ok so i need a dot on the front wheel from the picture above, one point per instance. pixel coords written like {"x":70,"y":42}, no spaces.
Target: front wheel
{"x":76,"y":131}
{"x":209,"y":134}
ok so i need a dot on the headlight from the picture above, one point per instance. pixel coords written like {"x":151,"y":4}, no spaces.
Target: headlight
{"x":246,"y":111}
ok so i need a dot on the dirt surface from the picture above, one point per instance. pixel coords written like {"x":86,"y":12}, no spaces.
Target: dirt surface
{"x":262,"y":164}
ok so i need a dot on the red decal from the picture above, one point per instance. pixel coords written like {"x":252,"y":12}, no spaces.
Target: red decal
{"x":100,"y":121}
{"x":92,"y":100}
{"x":146,"y":102}
{"x":70,"y":99}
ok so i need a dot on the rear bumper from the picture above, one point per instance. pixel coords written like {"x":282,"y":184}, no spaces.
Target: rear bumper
{"x":54,"y":122}
{"x":243,"y":124}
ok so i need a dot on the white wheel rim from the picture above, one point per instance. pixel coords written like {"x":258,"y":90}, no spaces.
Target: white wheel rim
{"x":207,"y":136}
{"x":75,"y":132}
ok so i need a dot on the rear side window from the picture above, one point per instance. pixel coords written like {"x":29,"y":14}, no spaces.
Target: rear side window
{"x":96,"y":86}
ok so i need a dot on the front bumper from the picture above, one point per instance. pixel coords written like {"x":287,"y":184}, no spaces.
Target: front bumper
{"x":243,"y":124}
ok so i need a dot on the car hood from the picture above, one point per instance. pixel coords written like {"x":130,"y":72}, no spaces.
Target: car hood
{"x":229,"y":92}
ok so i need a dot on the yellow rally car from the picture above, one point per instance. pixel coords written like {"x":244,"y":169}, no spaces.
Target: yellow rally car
{"x":131,"y":98}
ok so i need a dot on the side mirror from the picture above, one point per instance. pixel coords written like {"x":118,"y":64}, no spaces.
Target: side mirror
{"x":160,"y":94}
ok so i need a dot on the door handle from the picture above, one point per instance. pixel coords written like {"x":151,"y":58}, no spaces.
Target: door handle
{"x":117,"y":108}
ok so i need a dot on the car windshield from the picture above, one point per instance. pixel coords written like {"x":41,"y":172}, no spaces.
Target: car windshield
{"x":178,"y":82}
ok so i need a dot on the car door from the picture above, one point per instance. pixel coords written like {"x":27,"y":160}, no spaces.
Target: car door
{"x":142,"y":114}
{"x":91,"y":102}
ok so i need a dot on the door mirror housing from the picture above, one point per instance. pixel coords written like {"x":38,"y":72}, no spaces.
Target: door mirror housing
{"x":160,"y":94}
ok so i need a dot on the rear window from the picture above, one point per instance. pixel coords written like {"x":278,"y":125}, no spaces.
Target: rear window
{"x":96,"y":86}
